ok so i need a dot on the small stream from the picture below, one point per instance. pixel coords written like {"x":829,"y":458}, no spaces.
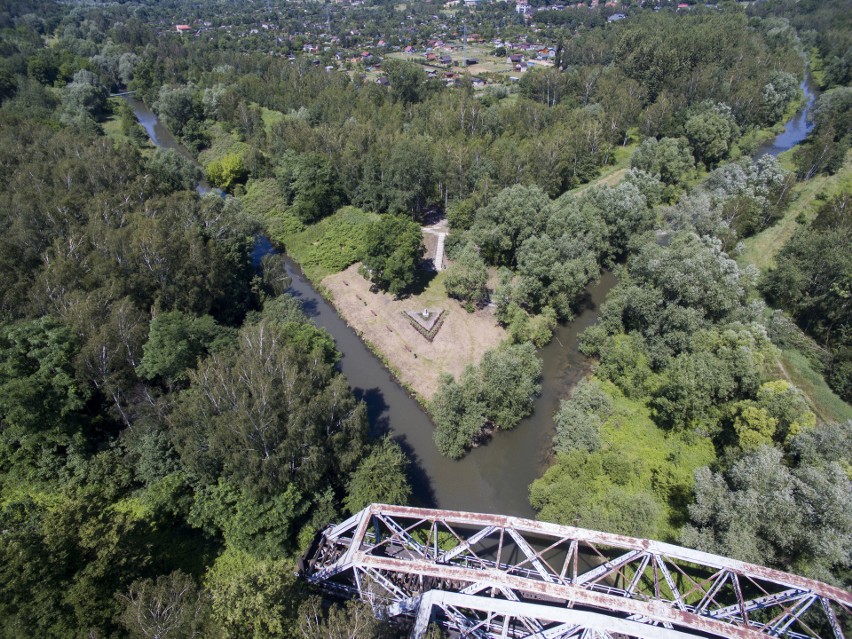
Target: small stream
{"x":494,"y":478}
{"x":797,"y":128}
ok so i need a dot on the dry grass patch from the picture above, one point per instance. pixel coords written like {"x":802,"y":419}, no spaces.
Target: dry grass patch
{"x":378,"y":317}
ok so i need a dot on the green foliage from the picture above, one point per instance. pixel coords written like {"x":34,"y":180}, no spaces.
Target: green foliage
{"x":332,"y":244}
{"x":227,"y":172}
{"x":711,"y":130}
{"x":497,"y":394}
{"x":610,"y":454}
{"x":379,"y":478}
{"x":254,"y":598}
{"x":246,"y":411}
{"x":311,"y":185}
{"x":826,"y":147}
{"x":804,"y":521}
{"x":501,"y":226}
{"x":170,"y":606}
{"x":355,"y":619}
{"x":812,"y":282}
{"x":176,"y":342}
{"x":467,"y":276}
{"x":579,"y":420}
{"x":392,"y":253}
{"x":264,"y":527}
{"x":38,"y":389}
{"x":669,"y":158}
{"x":177,"y":107}
{"x":523,"y":327}
{"x":170,"y":171}
{"x":408,"y":83}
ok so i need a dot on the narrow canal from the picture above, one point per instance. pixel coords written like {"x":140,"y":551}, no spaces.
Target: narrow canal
{"x":494,"y":478}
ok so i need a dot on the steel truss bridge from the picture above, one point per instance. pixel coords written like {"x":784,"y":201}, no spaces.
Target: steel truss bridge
{"x":491,"y":576}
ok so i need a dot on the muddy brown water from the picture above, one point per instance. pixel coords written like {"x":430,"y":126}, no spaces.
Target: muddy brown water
{"x":493,"y":478}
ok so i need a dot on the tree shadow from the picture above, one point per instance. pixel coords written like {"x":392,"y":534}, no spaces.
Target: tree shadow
{"x":377,"y":415}
{"x":309,"y":305}
{"x":423,"y":276}
{"x":423,"y":495}
{"x":377,"y":410}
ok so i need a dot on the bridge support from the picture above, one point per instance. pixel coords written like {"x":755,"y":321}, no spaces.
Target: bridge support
{"x":490,"y":576}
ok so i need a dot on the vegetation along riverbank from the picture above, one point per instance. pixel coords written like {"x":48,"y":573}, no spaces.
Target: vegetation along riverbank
{"x":180,"y":410}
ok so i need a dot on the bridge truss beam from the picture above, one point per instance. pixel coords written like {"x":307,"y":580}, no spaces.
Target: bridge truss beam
{"x":497,"y":577}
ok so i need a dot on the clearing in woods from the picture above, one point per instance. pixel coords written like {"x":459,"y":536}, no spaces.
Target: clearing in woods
{"x":418,"y":363}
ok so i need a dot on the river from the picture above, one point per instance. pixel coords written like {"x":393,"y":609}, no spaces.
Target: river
{"x":797,"y":128}
{"x":493,"y":478}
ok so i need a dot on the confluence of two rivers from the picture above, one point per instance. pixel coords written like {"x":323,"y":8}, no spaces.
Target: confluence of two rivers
{"x":493,"y":478}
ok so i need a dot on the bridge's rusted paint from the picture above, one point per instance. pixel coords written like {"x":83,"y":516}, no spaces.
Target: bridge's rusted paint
{"x":492,"y":576}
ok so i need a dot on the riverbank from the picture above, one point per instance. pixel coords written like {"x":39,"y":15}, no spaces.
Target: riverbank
{"x":462,"y":339}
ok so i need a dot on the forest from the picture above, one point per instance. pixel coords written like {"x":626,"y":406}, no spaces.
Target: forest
{"x":174,"y":429}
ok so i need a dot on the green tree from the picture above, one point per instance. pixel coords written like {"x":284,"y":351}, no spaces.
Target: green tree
{"x":39,"y":390}
{"x":379,"y":478}
{"x":393,"y":252}
{"x":669,"y":158}
{"x":500,"y":227}
{"x":170,"y":171}
{"x":467,"y":276}
{"x":270,"y":413}
{"x":176,"y":341}
{"x":499,"y":392}
{"x":805,"y":520}
{"x":176,"y":107}
{"x":711,"y":130}
{"x":312,"y":185}
{"x":254,"y":598}
{"x":167,"y":607}
{"x":227,"y":172}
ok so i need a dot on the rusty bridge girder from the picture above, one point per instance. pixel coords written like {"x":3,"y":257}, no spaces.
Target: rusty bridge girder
{"x":492,"y":576}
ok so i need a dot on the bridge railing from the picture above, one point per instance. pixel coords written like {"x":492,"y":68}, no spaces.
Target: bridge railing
{"x":501,"y":568}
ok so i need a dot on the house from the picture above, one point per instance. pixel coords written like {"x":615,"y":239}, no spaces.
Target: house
{"x":182,"y":28}
{"x":445,"y":59}
{"x":469,"y":62}
{"x":615,"y":17}
{"x":523,"y":8}
{"x":382,"y":81}
{"x":516,"y":58}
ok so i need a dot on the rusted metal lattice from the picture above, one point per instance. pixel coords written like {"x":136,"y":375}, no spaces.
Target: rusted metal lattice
{"x":491,"y":576}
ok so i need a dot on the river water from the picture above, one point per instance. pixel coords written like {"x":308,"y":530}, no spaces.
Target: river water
{"x":493,"y":478}
{"x":797,"y":128}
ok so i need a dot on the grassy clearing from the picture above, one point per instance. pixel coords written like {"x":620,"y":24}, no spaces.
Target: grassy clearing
{"x":827,"y":406}
{"x":639,"y":463}
{"x":270,"y":118}
{"x":761,"y":251}
{"x":330,"y":245}
{"x":378,"y":318}
{"x":222,"y":143}
{"x":808,"y":196}
{"x":613,"y":173}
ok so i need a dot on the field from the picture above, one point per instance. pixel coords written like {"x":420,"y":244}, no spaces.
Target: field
{"x":762,"y":248}
{"x":378,"y":317}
